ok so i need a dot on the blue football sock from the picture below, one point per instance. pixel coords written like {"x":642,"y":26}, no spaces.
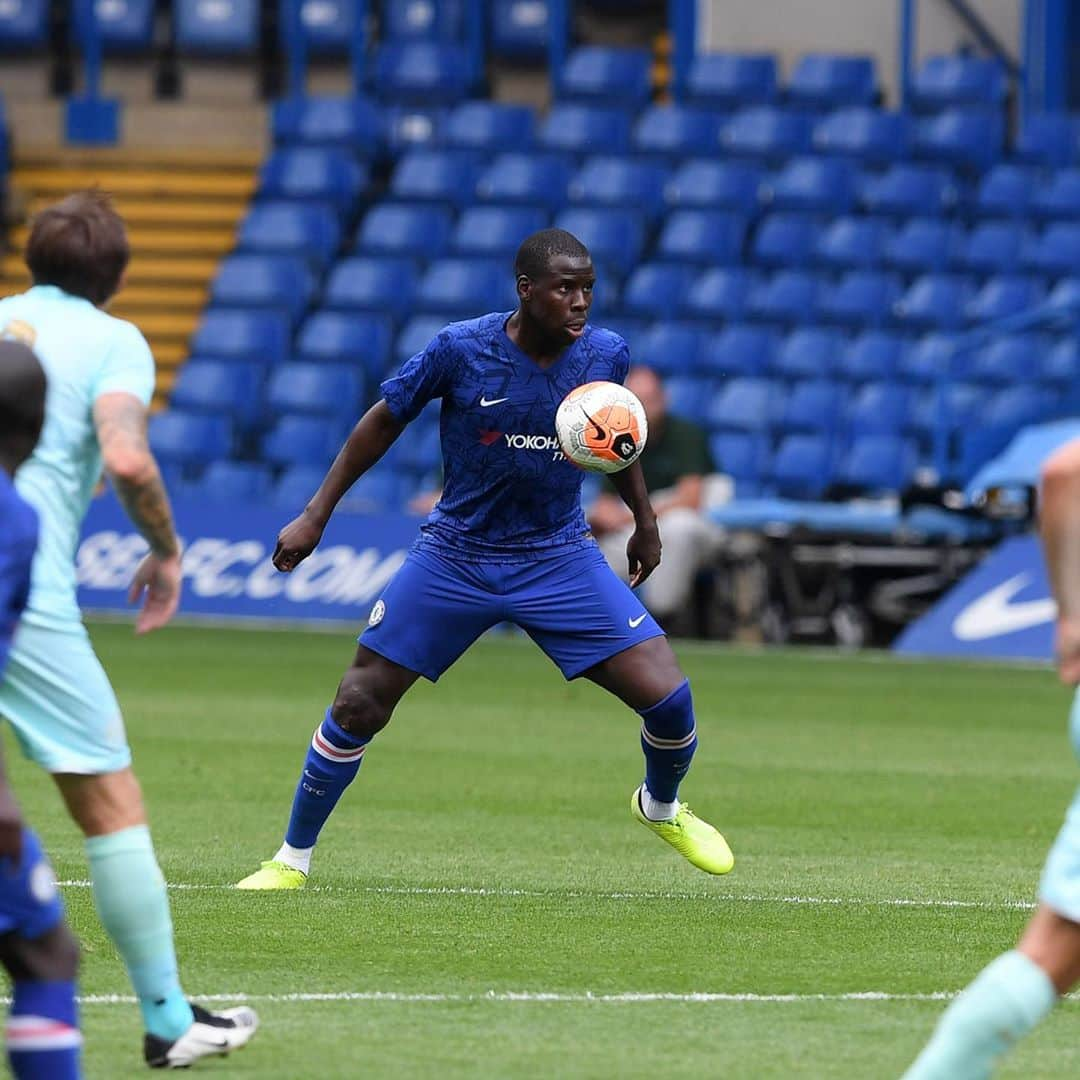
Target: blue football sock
{"x":129,"y":893}
{"x":669,"y":739}
{"x":332,"y":762}
{"x":42,"y":1036}
{"x":1008,"y":998}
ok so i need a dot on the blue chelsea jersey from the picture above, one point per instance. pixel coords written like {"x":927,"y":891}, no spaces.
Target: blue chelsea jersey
{"x":18,"y":539}
{"x":508,"y":492}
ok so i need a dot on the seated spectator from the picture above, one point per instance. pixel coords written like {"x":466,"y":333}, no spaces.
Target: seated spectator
{"x":676,"y":462}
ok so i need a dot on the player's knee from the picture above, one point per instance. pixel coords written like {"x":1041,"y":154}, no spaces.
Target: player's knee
{"x":357,"y":707}
{"x":63,"y":956}
{"x":53,"y":957}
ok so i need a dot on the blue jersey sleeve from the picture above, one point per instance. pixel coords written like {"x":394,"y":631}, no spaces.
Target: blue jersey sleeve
{"x":421,"y":379}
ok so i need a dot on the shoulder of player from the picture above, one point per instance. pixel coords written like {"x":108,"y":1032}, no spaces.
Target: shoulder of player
{"x":470,"y":333}
{"x":123,"y":333}
{"x":604,"y":340}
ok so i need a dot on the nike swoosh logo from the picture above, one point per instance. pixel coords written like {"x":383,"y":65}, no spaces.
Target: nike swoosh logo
{"x":484,"y":403}
{"x":635,"y":623}
{"x":994,"y":614}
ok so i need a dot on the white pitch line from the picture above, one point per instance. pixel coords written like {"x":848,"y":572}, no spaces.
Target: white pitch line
{"x":717,"y":897}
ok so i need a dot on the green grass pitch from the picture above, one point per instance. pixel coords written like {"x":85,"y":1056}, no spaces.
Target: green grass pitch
{"x":888,"y":819}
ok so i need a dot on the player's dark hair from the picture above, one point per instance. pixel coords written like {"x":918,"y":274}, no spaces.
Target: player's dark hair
{"x":537,"y":251}
{"x":79,"y":245}
{"x":22,"y":401}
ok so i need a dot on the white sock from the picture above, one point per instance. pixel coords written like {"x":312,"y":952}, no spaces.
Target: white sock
{"x":654,"y":809}
{"x":299,"y":858}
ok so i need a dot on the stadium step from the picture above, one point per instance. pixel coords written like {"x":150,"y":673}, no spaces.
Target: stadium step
{"x":182,"y":209}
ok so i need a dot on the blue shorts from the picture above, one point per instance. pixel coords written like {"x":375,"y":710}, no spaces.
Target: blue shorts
{"x":29,"y":899}
{"x":571,"y":604}
{"x":1059,"y":888}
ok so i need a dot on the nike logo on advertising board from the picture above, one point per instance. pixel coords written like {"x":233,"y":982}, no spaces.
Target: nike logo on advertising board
{"x":484,"y":403}
{"x":994,"y":614}
{"x":635,"y":623}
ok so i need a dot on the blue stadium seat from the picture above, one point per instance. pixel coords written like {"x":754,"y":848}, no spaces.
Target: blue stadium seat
{"x":801,"y":468}
{"x":880,"y":408}
{"x":811,"y":352}
{"x":720,"y":185}
{"x":740,"y":349}
{"x":416,"y":335}
{"x":574,"y":128}
{"x":189,"y":440}
{"x":411,"y":230}
{"x":702,"y":236}
{"x":870,"y":136}
{"x":520,"y":29}
{"x":850,"y":243}
{"x":960,"y":407}
{"x":676,"y":131}
{"x":935,"y":301}
{"x":603,"y":74}
{"x":1060,"y":364}
{"x":874,"y":355}
{"x":489,"y":126}
{"x":327,"y":27}
{"x":765,"y":133}
{"x":1056,"y":252}
{"x":808,"y":184}
{"x":944,"y":81}
{"x":1065,"y":295}
{"x":289,"y":228}
{"x":284,"y":282}
{"x":906,"y":190}
{"x":538,"y":179}
{"x":785,"y":240}
{"x":261,"y":336}
{"x":422,"y":20}
{"x":821,"y":81}
{"x":747,"y":404}
{"x":24,"y":24}
{"x":1006,"y":191}
{"x":968,"y":139}
{"x":1059,"y":197}
{"x":731,"y":80}
{"x":1005,"y":360}
{"x":381,"y":489}
{"x":689,"y":397}
{"x":718,"y":294}
{"x":495,"y":231}
{"x":923,"y":244}
{"x":322,"y":175}
{"x":421,"y":73}
{"x":351,"y":123}
{"x":434,"y":176}
{"x":303,"y":440}
{"x":330,"y":390}
{"x":878,"y":463}
{"x":423,"y":453}
{"x":334,"y":337}
{"x":616,"y":181}
{"x":226,"y":387}
{"x":614,"y":236}
{"x":382,"y":284}
{"x":670,"y":348}
{"x":236,"y":482}
{"x":788,"y":297}
{"x":743,"y":456}
{"x":125,"y":26}
{"x":1046,"y":139}
{"x":929,"y":358}
{"x":861,"y":298}
{"x":466,"y":288}
{"x":1002,"y":416}
{"x":412,"y":127}
{"x":1004,"y":295}
{"x":222,"y":28}
{"x":993,"y":247}
{"x":297,"y":484}
{"x":655,"y":289}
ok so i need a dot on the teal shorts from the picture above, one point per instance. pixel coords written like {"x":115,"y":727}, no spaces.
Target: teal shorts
{"x":1060,"y":885}
{"x":58,"y":700}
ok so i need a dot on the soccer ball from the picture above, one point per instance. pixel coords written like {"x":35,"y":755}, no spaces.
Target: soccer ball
{"x":601,"y":427}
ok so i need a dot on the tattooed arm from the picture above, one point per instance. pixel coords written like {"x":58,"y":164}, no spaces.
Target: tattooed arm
{"x":120,"y":419}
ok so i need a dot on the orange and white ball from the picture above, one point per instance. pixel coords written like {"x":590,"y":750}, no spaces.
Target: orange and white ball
{"x":601,"y":427}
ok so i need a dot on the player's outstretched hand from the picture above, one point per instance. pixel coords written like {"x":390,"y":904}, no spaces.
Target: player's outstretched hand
{"x":157,"y":584}
{"x":1067,"y":648}
{"x":643,"y":552}
{"x":11,"y":825}
{"x":296,"y":542}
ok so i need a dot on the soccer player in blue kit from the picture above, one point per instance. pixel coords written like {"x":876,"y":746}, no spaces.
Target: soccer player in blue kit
{"x":507,"y":542}
{"x":37,"y":949}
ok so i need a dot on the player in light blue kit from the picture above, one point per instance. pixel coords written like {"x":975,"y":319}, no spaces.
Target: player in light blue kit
{"x":507,"y":541}
{"x":37,"y":949}
{"x":55,"y":693}
{"x":1018,"y":989}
